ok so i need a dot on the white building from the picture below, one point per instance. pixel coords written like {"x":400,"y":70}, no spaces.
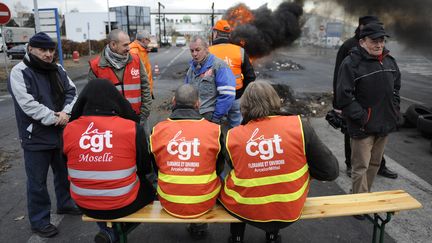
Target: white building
{"x":83,"y":26}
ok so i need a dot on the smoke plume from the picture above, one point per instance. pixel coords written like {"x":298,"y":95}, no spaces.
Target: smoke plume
{"x":267,"y":30}
{"x":410,"y":21}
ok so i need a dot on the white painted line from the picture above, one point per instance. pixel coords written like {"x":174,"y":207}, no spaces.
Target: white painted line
{"x":413,"y":101}
{"x":55,"y":220}
{"x":166,"y":52}
{"x":172,"y":61}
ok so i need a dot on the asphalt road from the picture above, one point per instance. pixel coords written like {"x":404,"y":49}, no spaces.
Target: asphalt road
{"x":407,"y":153}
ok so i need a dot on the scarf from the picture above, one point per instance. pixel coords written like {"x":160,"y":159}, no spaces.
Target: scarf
{"x":116,"y":60}
{"x":51,"y":70}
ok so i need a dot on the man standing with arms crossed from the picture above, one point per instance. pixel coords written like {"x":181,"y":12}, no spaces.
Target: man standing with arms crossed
{"x":238,"y":60}
{"x":126,"y":72}
{"x":367,"y":90}
{"x":43,"y":96}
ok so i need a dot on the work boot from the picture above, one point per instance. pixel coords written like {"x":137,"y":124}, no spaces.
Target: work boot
{"x":235,"y":239}
{"x":197,"y":230}
{"x":273,"y":238}
{"x":384,"y":171}
{"x":47,"y":231}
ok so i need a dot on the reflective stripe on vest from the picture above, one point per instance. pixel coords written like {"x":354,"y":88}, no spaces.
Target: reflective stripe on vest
{"x":289,"y":197}
{"x":186,"y":179}
{"x":185,"y":152}
{"x":233,"y":56}
{"x":270,"y":179}
{"x":262,"y":181}
{"x":120,"y":191}
{"x":130,"y":86}
{"x":101,"y":175}
{"x":189,"y":199}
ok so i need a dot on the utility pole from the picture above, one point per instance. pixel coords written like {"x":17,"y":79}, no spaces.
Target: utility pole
{"x":88,"y":37}
{"x":164,"y":29}
{"x":159,"y":15}
{"x":212,"y":16}
{"x":36,"y":16}
{"x":109,"y":21}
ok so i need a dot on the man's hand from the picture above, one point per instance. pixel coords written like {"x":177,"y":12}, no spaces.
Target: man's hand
{"x":62,"y":118}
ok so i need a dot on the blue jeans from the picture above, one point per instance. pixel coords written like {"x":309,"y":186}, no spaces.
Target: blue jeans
{"x":234,"y":115}
{"x":38,"y":201}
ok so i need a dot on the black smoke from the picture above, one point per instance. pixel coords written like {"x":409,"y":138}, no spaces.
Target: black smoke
{"x":409,"y":20}
{"x":269,"y":29}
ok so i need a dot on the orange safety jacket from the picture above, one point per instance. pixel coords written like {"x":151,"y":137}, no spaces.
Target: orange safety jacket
{"x":130,"y":86}
{"x":137,"y":49}
{"x":101,"y":153}
{"x":233,"y":56}
{"x":186,"y":152}
{"x":270,"y":179}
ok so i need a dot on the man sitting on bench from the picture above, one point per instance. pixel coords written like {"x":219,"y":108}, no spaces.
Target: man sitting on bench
{"x":187,"y":152}
{"x":107,"y":156}
{"x":273,"y":158}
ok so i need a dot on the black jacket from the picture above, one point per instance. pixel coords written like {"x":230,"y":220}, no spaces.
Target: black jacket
{"x":343,"y":52}
{"x":246,"y":68}
{"x":368,"y":93}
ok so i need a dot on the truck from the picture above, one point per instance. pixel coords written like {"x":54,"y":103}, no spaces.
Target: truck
{"x":13,"y":36}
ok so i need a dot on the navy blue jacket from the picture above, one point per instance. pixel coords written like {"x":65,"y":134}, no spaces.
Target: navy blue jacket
{"x":34,"y":108}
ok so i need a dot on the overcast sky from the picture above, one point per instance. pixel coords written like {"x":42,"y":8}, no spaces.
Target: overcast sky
{"x":101,"y":5}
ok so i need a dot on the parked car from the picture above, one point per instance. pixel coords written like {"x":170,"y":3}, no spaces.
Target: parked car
{"x":16,"y":52}
{"x":180,"y":41}
{"x":153,"y":45}
{"x":166,"y":41}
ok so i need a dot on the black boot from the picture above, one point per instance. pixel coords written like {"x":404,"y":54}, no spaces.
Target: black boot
{"x":273,"y":237}
{"x":386,"y":172}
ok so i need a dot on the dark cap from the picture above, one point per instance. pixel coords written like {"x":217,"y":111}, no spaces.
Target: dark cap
{"x":364,"y":20}
{"x":42,"y":40}
{"x":373,"y":31}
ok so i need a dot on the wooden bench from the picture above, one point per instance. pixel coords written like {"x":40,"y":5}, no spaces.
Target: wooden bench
{"x":388,"y":202}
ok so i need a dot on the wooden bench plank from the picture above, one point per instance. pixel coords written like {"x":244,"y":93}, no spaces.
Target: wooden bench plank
{"x":315,"y":207}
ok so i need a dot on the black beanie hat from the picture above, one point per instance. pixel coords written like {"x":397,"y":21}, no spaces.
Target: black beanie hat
{"x":42,"y":40}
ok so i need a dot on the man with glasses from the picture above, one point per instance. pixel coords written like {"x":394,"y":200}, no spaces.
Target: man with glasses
{"x":367,"y":91}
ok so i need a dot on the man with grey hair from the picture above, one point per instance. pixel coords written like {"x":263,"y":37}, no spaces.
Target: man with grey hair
{"x":139,"y":47}
{"x":214,"y":80}
{"x":170,"y":141}
{"x":125,"y":71}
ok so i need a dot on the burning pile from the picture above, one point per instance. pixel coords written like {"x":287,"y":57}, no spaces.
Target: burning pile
{"x":261,"y":31}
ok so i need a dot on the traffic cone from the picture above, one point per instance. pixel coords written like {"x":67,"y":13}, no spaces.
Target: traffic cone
{"x":156,"y":69}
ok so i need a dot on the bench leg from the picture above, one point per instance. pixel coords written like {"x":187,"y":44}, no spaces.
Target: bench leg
{"x":124,"y":230}
{"x":379,"y":224}
{"x":122,"y":235}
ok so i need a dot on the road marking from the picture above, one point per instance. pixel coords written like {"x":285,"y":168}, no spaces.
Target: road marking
{"x":172,"y":61}
{"x":55,"y":220}
{"x":167,"y":51}
{"x":413,"y":101}
{"x":410,"y":226}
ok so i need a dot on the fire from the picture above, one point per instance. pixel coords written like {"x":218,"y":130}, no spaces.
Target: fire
{"x":239,"y":15}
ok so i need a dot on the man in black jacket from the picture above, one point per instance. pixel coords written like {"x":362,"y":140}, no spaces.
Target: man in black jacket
{"x":368,"y":92}
{"x":343,"y":52}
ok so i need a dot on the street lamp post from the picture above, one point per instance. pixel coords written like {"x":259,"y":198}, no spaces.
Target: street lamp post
{"x":109,"y":21}
{"x":159,"y":14}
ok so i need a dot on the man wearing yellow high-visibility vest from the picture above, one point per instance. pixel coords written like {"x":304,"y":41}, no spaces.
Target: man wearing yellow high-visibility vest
{"x":273,"y":157}
{"x":187,"y":150}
